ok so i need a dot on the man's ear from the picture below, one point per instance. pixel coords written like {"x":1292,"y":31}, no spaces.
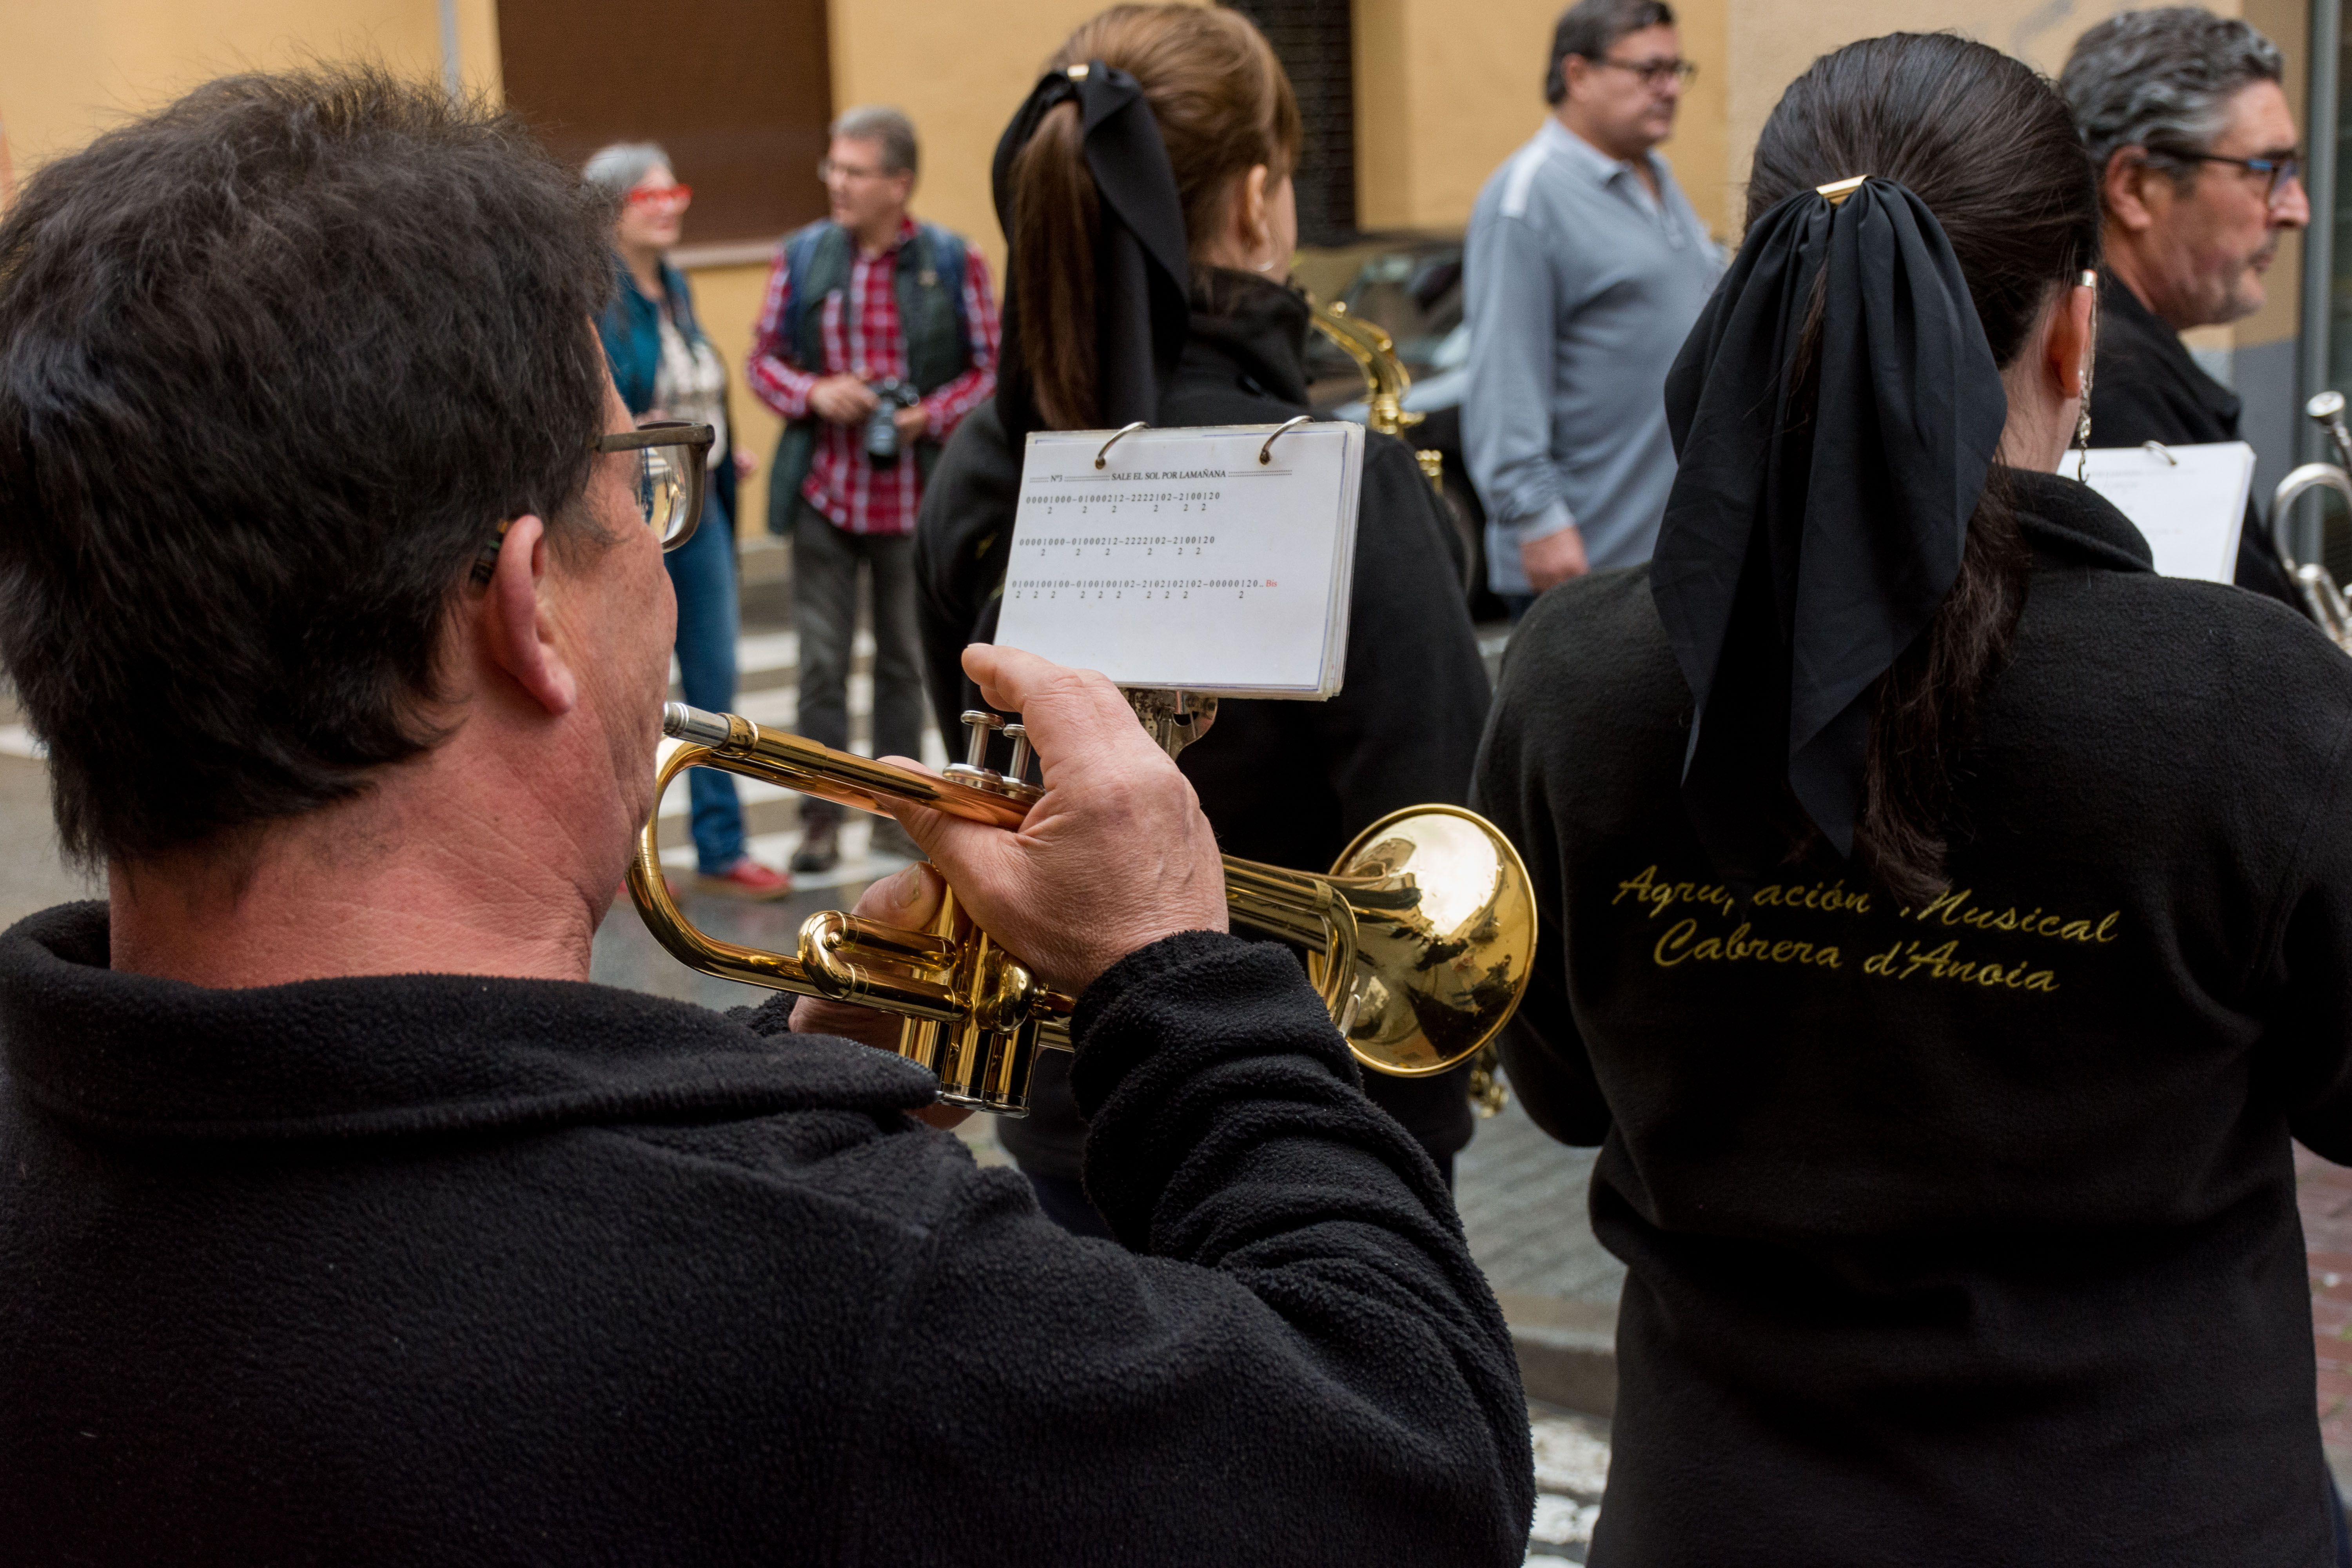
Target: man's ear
{"x":2122,"y":188}
{"x":515,"y":626}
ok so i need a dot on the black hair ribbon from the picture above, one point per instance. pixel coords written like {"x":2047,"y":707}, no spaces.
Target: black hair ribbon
{"x":1142,"y":267}
{"x":1800,"y":557}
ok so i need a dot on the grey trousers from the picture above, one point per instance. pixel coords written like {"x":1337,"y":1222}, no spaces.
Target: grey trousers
{"x":826,"y":560}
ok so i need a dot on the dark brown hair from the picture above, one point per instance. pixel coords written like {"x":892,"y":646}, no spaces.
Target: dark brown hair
{"x":1224,"y":107}
{"x":1989,"y":145}
{"x":274,"y":363}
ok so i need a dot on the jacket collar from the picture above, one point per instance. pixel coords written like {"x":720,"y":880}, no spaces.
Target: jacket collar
{"x":2149,"y":333}
{"x":1246,"y":326}
{"x":1597,"y":166}
{"x":393,"y":1054}
{"x":2064,"y":517}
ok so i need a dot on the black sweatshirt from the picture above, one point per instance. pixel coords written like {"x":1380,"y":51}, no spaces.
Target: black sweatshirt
{"x":429,"y":1269}
{"x":2144,"y":388}
{"x":1961,"y":1233}
{"x":1285,"y":782}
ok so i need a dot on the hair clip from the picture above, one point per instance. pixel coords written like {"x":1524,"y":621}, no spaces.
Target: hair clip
{"x":1075,"y":73}
{"x":1836,"y":191}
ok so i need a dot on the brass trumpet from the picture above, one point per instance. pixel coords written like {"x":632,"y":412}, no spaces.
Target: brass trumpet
{"x":2322,"y":597}
{"x":1419,"y":940}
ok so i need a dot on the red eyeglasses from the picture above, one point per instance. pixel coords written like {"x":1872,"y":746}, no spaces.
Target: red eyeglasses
{"x":663,"y":195}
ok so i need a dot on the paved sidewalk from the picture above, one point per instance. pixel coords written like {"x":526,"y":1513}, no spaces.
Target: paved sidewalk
{"x":2323,"y":1193}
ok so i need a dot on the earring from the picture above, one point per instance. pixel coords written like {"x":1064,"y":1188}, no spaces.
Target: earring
{"x":2082,"y":422}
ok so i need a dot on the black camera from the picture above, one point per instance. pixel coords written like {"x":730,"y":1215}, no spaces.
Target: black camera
{"x":890,"y":395}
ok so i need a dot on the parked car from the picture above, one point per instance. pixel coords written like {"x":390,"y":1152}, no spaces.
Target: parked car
{"x":1410,"y":285}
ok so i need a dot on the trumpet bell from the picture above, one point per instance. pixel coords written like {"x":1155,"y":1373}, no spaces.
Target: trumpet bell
{"x":1445,"y":936}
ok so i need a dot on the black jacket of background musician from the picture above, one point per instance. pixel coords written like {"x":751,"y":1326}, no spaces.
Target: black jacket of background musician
{"x":2146,"y":387}
{"x":429,"y":1269}
{"x":1961,"y":1233}
{"x":1285,"y":782}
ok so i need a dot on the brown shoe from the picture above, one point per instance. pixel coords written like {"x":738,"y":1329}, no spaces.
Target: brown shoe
{"x":820,"y":847}
{"x":747,"y":880}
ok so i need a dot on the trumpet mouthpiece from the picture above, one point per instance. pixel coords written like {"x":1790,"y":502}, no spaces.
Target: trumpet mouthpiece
{"x":681,"y":722}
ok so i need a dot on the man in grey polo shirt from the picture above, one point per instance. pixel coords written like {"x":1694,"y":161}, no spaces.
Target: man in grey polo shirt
{"x":1586,"y":268}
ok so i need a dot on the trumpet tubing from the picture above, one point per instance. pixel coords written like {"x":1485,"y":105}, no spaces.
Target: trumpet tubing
{"x":1419,"y":940}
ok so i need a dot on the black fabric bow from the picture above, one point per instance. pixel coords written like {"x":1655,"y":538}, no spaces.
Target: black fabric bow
{"x":1799,"y":557}
{"x":1141,"y":262}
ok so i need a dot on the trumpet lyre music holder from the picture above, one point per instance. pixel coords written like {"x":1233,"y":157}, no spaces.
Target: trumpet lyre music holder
{"x":1419,"y":941}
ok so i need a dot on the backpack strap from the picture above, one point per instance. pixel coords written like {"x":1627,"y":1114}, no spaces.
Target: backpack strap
{"x":949,"y":259}
{"x":813,"y":273}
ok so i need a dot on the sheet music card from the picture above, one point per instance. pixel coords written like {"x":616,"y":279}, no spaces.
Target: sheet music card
{"x":2187,"y":503}
{"x":1184,"y":563}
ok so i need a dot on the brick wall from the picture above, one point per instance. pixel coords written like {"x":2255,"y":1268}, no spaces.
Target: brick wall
{"x":1316,"y":41}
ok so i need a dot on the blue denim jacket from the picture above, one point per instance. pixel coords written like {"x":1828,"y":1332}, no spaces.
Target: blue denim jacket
{"x":631,"y":328}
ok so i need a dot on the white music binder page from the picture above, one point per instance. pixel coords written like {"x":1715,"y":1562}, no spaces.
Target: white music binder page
{"x":1186,"y":562}
{"x":2187,"y":503}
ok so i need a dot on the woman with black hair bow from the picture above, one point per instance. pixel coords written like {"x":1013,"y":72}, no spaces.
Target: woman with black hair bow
{"x":1146,"y":189}
{"x":1945,"y":917}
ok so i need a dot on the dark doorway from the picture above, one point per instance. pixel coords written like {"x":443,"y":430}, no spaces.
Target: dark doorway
{"x":739,"y":91}
{"x":1316,"y":41}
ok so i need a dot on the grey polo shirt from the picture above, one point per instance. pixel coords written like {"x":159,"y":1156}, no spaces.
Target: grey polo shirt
{"x":1580,"y":288}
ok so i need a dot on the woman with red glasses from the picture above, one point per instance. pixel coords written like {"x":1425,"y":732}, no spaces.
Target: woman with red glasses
{"x":665,"y":367}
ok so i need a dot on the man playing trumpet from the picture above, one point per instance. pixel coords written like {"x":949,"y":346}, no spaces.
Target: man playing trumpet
{"x":344,"y":1221}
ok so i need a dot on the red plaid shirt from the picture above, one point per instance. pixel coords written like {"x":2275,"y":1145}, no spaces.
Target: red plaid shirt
{"x":841,"y":482}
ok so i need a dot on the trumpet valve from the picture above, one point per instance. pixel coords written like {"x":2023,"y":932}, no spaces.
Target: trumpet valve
{"x":978,"y":725}
{"x":1017,"y":770}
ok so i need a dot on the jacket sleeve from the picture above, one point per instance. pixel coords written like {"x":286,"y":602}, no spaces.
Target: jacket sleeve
{"x":1404,"y":727}
{"x":1507,"y":395}
{"x":963,"y":526}
{"x":2307,"y":1048}
{"x":1543,"y":1050}
{"x":1296,"y":1360}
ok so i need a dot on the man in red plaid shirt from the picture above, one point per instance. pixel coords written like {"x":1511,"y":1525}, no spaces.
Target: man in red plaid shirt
{"x":878,"y":334}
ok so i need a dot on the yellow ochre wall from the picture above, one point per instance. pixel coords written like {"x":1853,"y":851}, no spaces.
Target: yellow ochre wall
{"x":68,"y":69}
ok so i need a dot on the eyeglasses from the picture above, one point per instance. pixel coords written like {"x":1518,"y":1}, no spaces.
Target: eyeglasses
{"x":1653,"y":73}
{"x":2275,"y":172}
{"x":672,"y":460}
{"x":826,"y":169}
{"x":661,"y":196}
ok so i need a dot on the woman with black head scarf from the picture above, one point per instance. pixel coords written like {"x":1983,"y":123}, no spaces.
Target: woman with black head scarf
{"x":1146,"y":189}
{"x":1945,"y":917}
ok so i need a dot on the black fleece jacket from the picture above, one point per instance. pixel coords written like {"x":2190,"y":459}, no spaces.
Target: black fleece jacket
{"x":1285,"y":782}
{"x":430,"y":1268}
{"x":2147,"y":388}
{"x":1965,"y":1232}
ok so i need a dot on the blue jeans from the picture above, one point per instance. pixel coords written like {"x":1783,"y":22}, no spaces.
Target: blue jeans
{"x":702,"y":570}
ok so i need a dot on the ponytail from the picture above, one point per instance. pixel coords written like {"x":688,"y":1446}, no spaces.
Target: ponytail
{"x":1055,"y":212}
{"x":1221,"y":106}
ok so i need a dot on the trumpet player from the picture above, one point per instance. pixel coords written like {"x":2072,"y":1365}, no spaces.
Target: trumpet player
{"x":342,"y":1219}
{"x":1948,"y":921}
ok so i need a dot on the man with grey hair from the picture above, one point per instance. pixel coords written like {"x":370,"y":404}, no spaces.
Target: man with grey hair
{"x":878,"y":335}
{"x":1584,"y":269}
{"x":2195,"y":152}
